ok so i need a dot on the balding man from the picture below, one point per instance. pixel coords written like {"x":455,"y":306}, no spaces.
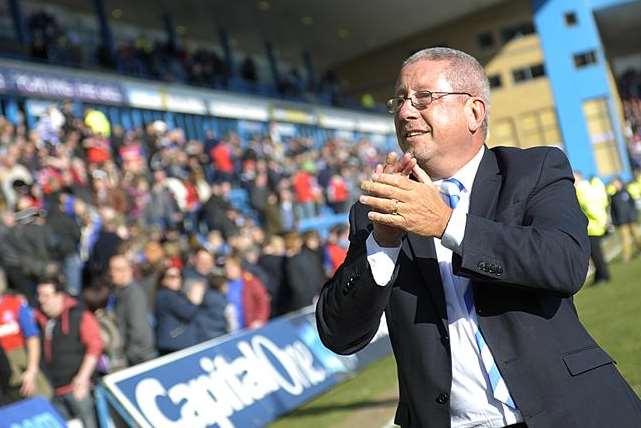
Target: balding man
{"x":131,"y":312}
{"x":473,"y":254}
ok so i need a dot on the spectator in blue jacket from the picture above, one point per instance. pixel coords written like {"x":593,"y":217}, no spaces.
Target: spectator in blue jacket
{"x":175,"y":313}
{"x":211,"y":320}
{"x":624,"y":217}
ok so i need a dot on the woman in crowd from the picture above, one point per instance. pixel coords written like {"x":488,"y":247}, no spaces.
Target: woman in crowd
{"x":175,"y":313}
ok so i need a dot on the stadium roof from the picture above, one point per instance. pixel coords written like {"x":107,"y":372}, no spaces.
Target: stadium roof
{"x":334,"y":31}
{"x":619,"y":28}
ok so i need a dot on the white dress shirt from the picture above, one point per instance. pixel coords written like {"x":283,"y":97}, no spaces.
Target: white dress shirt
{"x":471,"y":401}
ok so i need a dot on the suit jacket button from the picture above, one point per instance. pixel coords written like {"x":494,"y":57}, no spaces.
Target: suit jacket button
{"x":499,"y":270}
{"x":481,"y":266}
{"x":492,"y":268}
{"x":443,"y":398}
{"x":445,"y":340}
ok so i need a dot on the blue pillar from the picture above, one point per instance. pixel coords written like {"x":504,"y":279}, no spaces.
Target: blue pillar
{"x":106,"y":37}
{"x":572,"y":86}
{"x":170,"y":29}
{"x":309,"y":67}
{"x":18,"y":22}
{"x":229,"y":59}
{"x":272,"y":63}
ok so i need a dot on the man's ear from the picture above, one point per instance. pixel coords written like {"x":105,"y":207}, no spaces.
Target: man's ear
{"x":475,"y":113}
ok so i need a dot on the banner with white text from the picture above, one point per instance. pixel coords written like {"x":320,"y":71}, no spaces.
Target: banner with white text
{"x":241,"y":380}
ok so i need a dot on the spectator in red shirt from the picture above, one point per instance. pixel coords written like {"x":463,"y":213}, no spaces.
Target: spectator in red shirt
{"x":247,"y":295}
{"x":338,"y":194}
{"x":336,"y":248}
{"x":221,"y":156}
{"x":20,"y":341}
{"x":71,"y":342}
{"x":305,"y":192}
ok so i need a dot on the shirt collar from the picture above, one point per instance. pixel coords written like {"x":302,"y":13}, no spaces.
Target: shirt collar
{"x":467,"y":173}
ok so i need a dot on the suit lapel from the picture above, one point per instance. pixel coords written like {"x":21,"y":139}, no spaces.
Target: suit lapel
{"x":486,"y":188}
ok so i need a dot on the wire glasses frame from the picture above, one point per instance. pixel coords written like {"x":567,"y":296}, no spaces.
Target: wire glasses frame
{"x":420,"y":100}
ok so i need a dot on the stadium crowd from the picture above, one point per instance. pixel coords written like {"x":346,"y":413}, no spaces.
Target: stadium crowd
{"x":118,"y":246}
{"x":169,"y":61}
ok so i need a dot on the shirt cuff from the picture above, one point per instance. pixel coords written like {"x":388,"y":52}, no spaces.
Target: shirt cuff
{"x":455,"y":231}
{"x":382,"y":260}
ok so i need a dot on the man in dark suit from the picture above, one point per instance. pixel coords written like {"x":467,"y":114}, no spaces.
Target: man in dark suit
{"x":473,"y":254}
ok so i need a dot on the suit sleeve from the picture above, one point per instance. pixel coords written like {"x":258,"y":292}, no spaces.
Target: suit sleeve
{"x":351,"y":304}
{"x":547,"y":252}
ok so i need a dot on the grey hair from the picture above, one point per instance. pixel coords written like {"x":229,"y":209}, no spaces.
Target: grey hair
{"x":464,"y":73}
{"x":190,"y":283}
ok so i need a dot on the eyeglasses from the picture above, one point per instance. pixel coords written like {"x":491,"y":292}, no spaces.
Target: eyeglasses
{"x":420,"y":100}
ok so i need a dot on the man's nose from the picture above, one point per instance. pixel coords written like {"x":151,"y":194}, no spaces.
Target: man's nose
{"x":407,"y":110}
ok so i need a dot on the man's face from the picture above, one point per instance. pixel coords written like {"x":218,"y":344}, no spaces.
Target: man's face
{"x":120,"y":271}
{"x":204,"y":262}
{"x":232,"y":269}
{"x":437,"y":135}
{"x":51,"y":302}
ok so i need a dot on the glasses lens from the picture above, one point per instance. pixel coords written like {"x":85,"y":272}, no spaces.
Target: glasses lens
{"x":421,"y":100}
{"x":392,"y":105}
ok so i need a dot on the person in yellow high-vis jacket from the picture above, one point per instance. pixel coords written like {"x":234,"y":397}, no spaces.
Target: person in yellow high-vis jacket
{"x":594,"y":203}
{"x":634,"y":187}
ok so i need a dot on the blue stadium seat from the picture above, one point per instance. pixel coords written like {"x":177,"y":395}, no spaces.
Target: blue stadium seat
{"x":323,"y":223}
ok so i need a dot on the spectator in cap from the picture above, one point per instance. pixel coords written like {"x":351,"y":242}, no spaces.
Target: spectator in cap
{"x":30,"y":244}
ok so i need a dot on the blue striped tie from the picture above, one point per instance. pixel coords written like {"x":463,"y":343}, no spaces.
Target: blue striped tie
{"x":451,"y":191}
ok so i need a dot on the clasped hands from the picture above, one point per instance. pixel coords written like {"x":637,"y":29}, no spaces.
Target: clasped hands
{"x":399,"y":204}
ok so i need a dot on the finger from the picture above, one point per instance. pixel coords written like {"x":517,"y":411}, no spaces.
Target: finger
{"x":379,"y":169}
{"x":409,"y":167}
{"x":395,"y":180}
{"x":407,"y":157}
{"x":382,"y":205}
{"x":390,"y":159}
{"x":386,"y":219}
{"x":374,"y":188}
{"x":421,"y":175}
{"x":391,"y":163}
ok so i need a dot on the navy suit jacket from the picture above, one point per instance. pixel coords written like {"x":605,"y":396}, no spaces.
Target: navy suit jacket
{"x":526,"y":252}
